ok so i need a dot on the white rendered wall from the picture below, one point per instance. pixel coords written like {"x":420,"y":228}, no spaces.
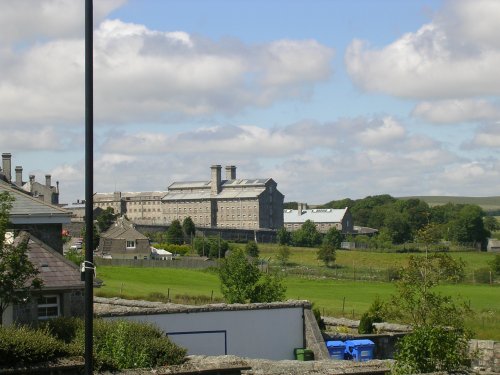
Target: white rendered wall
{"x":266,"y":333}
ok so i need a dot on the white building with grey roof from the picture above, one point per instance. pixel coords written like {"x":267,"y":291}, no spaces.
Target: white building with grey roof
{"x":323,"y":218}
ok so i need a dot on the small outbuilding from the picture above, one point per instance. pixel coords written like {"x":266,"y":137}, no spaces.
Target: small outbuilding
{"x":160,"y":254}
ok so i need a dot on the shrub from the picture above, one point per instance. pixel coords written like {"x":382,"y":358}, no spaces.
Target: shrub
{"x":319,"y":319}
{"x":64,"y":328}
{"x":432,"y":349}
{"x":174,"y":249}
{"x":123,"y":344}
{"x":24,"y":345}
{"x":366,"y":323}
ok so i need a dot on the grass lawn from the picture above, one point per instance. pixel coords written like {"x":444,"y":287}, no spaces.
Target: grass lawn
{"x":327,"y":294}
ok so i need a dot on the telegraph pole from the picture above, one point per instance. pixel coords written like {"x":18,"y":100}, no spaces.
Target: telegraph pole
{"x":89,"y":187}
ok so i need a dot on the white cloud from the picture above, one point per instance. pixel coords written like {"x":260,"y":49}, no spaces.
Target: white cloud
{"x":388,"y":132}
{"x":456,"y":55}
{"x":456,"y":111}
{"x":487,"y":136}
{"x":25,"y":20}
{"x":147,"y":75}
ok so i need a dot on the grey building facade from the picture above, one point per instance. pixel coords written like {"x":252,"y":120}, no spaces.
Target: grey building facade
{"x":250,"y":203}
{"x":324,"y":219}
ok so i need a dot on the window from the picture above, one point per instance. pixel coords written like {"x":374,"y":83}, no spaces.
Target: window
{"x":130,"y":244}
{"x":48,"y":307}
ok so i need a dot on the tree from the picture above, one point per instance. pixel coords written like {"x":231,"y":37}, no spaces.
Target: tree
{"x":491,"y":223}
{"x":174,"y":233}
{"x":283,"y":254}
{"x":212,"y":247}
{"x":468,"y":226}
{"x":188,"y":227}
{"x":18,"y":276}
{"x":95,"y":236}
{"x":238,"y":277}
{"x":326,"y":253}
{"x":105,"y":219}
{"x":242,"y":282}
{"x":331,"y":242}
{"x":439,"y":341}
{"x":284,"y":237}
{"x":307,"y":235}
{"x":429,"y":234}
{"x":252,"y":249}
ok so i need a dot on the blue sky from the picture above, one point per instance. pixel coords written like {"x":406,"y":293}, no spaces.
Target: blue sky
{"x":332,"y":99}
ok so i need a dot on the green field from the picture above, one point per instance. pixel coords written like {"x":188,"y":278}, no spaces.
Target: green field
{"x":332,"y":297}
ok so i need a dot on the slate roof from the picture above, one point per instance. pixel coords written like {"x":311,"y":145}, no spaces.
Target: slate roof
{"x":317,"y":215}
{"x":25,"y":207}
{"x":55,"y":270}
{"x":246,"y":182}
{"x":224,"y":194}
{"x":123,"y":229}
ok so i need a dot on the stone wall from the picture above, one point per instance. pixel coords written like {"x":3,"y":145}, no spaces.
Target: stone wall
{"x":487,"y":355}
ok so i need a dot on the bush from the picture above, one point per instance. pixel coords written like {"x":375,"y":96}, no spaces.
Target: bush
{"x":120,"y":344}
{"x":432,"y":349}
{"x":174,"y":249}
{"x":26,"y":346}
{"x":64,"y":328}
{"x":366,"y":323}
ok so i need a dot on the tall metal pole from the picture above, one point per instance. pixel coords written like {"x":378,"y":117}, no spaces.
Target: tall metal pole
{"x":89,"y":187}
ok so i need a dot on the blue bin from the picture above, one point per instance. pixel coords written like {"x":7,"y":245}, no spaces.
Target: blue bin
{"x":336,"y":349}
{"x":359,"y":350}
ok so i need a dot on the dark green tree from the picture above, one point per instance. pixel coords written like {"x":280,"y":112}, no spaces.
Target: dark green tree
{"x":326,"y":253}
{"x":95,"y":237}
{"x":468,"y":226}
{"x":212,"y":247}
{"x":174,"y":233}
{"x":252,"y":249}
{"x":18,"y":276}
{"x":491,"y":223}
{"x":307,"y":235}
{"x":188,"y":228}
{"x":333,"y":237}
{"x":105,"y":219}
{"x":284,"y":237}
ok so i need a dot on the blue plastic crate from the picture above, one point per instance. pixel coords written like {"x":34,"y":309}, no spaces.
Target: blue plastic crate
{"x":336,"y":349}
{"x":359,"y":350}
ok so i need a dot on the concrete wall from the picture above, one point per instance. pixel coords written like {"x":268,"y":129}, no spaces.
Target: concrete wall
{"x":262,"y":333}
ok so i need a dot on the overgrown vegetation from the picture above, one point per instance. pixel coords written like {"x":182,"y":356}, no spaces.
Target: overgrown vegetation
{"x":118,"y":344}
{"x":439,"y":340}
{"x":242,"y":281}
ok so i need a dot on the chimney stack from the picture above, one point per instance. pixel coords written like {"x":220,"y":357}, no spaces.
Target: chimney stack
{"x":215,"y":181}
{"x":230,"y":172}
{"x":19,"y":175}
{"x":47,"y":180}
{"x":300,"y":207}
{"x":6,"y":166}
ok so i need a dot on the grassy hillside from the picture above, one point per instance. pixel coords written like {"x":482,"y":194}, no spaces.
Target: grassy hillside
{"x":486,"y":203}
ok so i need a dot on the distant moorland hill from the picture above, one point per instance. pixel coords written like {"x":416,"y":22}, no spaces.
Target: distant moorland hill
{"x":486,"y":203}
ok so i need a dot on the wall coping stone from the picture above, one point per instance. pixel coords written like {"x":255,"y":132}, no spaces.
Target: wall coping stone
{"x":106,"y":307}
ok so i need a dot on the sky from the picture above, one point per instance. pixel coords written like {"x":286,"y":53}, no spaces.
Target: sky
{"x":330,"y":98}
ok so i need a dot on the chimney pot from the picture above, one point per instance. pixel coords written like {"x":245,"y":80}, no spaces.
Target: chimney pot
{"x":6,"y":165}
{"x":230,"y":172}
{"x":215,"y":181}
{"x":19,"y":176}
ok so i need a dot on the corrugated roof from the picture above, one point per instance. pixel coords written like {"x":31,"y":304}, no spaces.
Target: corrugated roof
{"x":130,"y":194}
{"x":26,"y":205}
{"x":224,"y":194}
{"x":327,"y":215}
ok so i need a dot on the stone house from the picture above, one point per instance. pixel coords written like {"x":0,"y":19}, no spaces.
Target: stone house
{"x":41,"y":219}
{"x":62,"y":293}
{"x":45,"y":192}
{"x":123,"y":241}
{"x":324,"y":219}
